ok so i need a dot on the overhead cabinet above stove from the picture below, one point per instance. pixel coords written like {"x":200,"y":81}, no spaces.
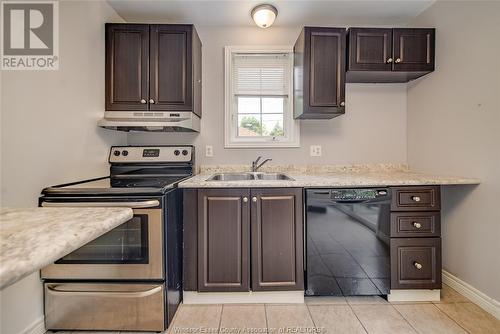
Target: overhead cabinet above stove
{"x":389,"y":55}
{"x":153,"y":73}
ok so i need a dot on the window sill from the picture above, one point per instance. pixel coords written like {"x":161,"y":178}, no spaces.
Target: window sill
{"x":262,"y":145}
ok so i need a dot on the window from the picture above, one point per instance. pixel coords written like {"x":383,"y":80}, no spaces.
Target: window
{"x":258,"y":98}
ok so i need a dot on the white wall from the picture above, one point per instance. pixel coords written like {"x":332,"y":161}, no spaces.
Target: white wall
{"x":454,"y":128}
{"x":372,"y":130}
{"x":49,"y":133}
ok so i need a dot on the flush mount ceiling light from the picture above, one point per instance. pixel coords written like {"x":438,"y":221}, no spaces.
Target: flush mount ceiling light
{"x":264,"y":15}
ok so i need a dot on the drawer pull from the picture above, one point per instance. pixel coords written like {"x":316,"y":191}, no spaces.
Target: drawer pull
{"x":416,"y":198}
{"x":245,"y":199}
{"x":417,"y":265}
{"x":254,"y":199}
{"x":417,"y":225}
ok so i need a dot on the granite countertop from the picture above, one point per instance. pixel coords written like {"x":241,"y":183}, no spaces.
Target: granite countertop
{"x":327,"y":176}
{"x":32,"y":238}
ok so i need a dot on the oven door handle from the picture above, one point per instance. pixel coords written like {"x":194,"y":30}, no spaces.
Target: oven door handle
{"x":115,"y":294}
{"x":133,"y":205}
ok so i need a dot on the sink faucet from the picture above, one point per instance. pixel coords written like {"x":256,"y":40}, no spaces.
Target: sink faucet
{"x":256,"y":165}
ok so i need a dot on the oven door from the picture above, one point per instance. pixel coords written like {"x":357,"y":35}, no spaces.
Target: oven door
{"x":133,"y":250}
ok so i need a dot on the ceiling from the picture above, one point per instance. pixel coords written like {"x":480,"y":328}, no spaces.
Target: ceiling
{"x":292,"y":13}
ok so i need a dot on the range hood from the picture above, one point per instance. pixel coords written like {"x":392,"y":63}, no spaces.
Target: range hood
{"x":185,"y":121}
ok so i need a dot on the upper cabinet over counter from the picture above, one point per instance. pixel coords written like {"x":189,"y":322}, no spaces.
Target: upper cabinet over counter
{"x":153,"y":78}
{"x":319,"y":73}
{"x":389,"y":55}
{"x":326,"y":58}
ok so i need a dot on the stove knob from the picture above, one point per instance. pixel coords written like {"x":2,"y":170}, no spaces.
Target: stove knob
{"x":177,"y":152}
{"x":116,"y":153}
{"x":184,"y":152}
{"x":125,"y":153}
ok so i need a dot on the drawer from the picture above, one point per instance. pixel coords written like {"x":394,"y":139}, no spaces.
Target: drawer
{"x":415,"y":224}
{"x":416,"y":199}
{"x":104,"y":306}
{"x":416,"y":263}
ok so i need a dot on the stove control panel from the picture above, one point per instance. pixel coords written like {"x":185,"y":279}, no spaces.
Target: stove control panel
{"x":138,"y":154}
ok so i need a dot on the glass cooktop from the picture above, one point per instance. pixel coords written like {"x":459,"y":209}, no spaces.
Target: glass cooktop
{"x":119,"y":184}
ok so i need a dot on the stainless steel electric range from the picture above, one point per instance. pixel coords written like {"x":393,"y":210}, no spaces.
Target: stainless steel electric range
{"x":129,"y":278}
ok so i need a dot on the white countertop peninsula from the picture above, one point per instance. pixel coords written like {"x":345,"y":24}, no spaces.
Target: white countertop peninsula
{"x":31,"y":238}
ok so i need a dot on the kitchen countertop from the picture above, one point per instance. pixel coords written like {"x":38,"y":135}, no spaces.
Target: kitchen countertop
{"x":329,"y":176}
{"x":32,"y":238}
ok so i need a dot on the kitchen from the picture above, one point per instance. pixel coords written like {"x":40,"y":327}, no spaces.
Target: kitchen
{"x":442,"y":124}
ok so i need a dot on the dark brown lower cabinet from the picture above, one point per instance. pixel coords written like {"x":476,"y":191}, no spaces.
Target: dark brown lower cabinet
{"x":277,"y":239}
{"x":223,"y":239}
{"x":416,"y":237}
{"x":416,"y":263}
{"x":232,"y":220}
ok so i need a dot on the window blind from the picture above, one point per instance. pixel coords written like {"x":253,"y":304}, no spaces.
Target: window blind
{"x":260,"y":74}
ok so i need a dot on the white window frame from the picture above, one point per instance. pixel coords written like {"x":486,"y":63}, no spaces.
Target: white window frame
{"x":231,"y":140}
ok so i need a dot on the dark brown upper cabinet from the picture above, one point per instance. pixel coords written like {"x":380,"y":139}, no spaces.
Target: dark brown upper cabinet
{"x":277,"y":239}
{"x":153,"y":67}
{"x":389,"y":55}
{"x":127,"y":63}
{"x":223,"y":240}
{"x":370,"y":49}
{"x":319,"y":73}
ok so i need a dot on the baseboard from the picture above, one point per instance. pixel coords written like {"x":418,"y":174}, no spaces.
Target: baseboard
{"x":488,"y":304}
{"x":37,"y":327}
{"x":414,"y":295}
{"x":271,"y":297}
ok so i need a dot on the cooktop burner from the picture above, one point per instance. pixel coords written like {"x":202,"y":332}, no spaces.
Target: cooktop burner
{"x":136,"y":170}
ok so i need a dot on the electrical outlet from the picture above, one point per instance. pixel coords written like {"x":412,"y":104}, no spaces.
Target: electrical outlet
{"x":209,"y":151}
{"x":315,"y":150}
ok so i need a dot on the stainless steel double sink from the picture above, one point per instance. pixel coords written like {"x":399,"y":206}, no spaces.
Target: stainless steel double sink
{"x":249,"y":177}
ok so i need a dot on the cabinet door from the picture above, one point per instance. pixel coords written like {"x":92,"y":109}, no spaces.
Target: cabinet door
{"x":223,"y":239}
{"x":171,"y":85}
{"x":413,"y":49}
{"x":324,"y":70}
{"x":370,"y":49}
{"x":277,"y":239}
{"x":415,"y":263}
{"x":127,"y":62}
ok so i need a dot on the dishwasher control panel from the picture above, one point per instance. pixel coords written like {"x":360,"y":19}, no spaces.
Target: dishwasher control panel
{"x":358,"y":194}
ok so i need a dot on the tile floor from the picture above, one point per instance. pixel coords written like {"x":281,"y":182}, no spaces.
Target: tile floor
{"x":328,"y":315}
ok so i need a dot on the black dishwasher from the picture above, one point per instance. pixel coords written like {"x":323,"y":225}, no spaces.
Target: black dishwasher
{"x":347,"y":243}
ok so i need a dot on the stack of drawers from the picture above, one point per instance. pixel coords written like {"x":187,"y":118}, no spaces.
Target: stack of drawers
{"x":416,"y":238}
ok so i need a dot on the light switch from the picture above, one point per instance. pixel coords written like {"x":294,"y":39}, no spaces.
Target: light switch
{"x":209,"y":151}
{"x":315,"y":150}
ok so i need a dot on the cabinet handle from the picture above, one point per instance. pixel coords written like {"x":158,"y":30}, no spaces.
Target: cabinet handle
{"x":416,"y":198}
{"x":245,"y":199}
{"x":398,"y":60}
{"x":417,"y":265}
{"x":254,"y":199}
{"x":417,"y":225}
{"x":143,"y":101}
{"x":390,"y":60}
{"x":342,"y":103}
{"x":151,"y":101}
